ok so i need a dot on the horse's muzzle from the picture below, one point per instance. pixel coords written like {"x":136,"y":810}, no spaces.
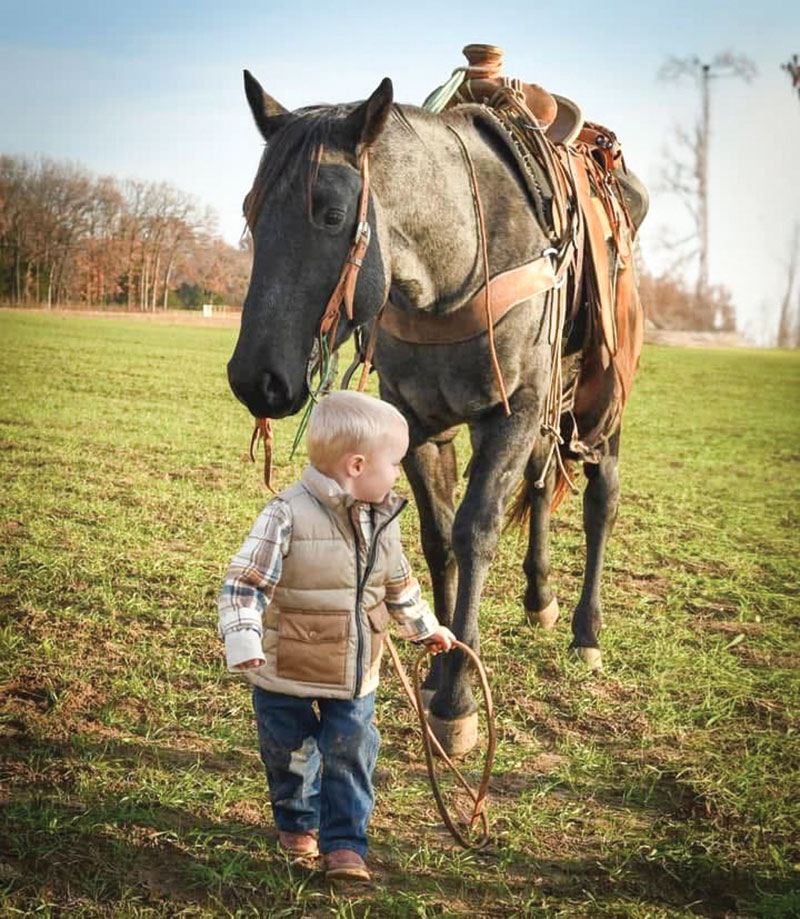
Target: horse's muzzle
{"x":266,"y":395}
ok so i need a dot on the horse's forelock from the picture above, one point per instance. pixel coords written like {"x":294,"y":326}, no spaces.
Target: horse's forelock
{"x":294,"y":152}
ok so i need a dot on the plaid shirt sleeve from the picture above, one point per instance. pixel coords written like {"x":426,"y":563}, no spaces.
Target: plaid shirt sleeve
{"x":250,"y":583}
{"x":407,"y":606}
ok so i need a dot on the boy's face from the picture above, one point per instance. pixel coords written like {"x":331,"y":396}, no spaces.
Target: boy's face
{"x":377,"y":471}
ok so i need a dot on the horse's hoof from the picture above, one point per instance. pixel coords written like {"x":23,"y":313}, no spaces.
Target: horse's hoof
{"x":592,"y":657}
{"x":547,"y":617}
{"x":457,"y":736}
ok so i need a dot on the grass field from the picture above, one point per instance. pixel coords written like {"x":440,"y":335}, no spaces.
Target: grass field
{"x":130,"y":785}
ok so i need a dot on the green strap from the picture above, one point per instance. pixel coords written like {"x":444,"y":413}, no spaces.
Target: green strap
{"x":439,"y":98}
{"x":326,"y":369}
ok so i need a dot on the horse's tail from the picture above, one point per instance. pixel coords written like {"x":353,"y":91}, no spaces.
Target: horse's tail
{"x":562,"y":487}
{"x":520,"y":511}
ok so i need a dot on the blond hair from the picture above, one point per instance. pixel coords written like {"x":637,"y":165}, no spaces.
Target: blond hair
{"x":348,"y":422}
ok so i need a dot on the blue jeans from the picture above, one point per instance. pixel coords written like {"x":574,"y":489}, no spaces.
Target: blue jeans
{"x":319,"y":768}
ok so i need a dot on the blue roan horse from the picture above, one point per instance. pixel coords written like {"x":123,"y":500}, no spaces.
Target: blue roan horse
{"x":425,"y":257}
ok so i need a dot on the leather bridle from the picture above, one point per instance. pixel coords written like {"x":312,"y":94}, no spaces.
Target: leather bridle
{"x":344,"y":291}
{"x":340,"y":299}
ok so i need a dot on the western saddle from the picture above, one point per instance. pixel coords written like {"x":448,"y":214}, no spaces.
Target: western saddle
{"x":594,"y":206}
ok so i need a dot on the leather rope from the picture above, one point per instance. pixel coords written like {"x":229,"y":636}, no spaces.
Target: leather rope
{"x":431,"y":743}
{"x":414,"y":695}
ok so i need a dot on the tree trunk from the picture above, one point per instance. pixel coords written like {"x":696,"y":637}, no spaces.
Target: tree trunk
{"x":785,"y":331}
{"x":17,"y":267}
{"x":155,"y":281}
{"x":166,"y":281}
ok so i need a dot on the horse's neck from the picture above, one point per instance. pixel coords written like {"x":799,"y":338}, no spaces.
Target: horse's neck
{"x":427,"y":202}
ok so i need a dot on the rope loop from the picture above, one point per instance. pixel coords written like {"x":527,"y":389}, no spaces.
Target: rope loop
{"x":430,"y":743}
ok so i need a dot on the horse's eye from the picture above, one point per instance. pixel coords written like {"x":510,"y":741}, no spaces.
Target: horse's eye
{"x":334,"y":216}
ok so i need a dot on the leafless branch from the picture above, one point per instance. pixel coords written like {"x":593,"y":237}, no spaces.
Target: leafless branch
{"x":792,"y":67}
{"x":730,"y":64}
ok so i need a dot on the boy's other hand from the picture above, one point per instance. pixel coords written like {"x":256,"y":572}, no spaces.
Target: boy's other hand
{"x":248,"y":665}
{"x":441,"y":639}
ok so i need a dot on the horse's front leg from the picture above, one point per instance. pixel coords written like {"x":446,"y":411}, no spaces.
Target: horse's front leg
{"x":432,"y":473}
{"x":600,"y":505}
{"x":501,"y":446}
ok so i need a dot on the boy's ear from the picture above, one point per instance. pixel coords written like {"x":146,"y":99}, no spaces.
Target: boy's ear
{"x":354,"y":465}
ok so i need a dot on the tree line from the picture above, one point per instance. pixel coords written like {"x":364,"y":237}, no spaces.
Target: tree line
{"x":68,"y":236}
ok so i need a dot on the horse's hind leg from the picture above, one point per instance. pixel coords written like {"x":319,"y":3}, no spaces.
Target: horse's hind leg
{"x":541,"y":605}
{"x":600,"y":505}
{"x":432,"y":473}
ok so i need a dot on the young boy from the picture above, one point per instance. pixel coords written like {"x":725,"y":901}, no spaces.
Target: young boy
{"x":303,"y":612}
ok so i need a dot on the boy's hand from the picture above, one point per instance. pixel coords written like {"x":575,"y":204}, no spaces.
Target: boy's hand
{"x":439,"y":640}
{"x":248,"y":665}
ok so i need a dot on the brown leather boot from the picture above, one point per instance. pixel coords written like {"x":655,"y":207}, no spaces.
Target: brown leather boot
{"x":345,"y":865}
{"x":300,"y":845}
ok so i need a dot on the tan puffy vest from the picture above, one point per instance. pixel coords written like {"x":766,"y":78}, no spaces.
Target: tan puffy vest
{"x":323,"y":631}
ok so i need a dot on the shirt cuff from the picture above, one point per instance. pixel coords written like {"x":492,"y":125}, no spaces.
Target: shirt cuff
{"x":431,"y":625}
{"x":242,"y":645}
{"x":421,"y":626}
{"x":232,"y":619}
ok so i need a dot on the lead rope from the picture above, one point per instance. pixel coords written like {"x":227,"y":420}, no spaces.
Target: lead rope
{"x":430,"y":743}
{"x":414,"y":694}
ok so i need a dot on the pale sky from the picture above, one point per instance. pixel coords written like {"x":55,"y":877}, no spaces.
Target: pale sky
{"x":153,"y":90}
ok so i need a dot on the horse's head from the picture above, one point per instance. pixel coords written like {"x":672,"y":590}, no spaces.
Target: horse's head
{"x":302,"y":213}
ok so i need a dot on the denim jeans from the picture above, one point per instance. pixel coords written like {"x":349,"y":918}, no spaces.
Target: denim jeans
{"x":319,"y":768}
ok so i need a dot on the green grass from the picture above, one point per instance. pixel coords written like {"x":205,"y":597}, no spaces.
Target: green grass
{"x":130,"y":783}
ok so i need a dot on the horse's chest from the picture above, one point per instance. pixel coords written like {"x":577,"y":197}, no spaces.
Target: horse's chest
{"x":444,"y":385}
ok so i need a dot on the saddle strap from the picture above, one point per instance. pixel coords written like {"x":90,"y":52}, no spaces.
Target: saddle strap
{"x":468,"y":321}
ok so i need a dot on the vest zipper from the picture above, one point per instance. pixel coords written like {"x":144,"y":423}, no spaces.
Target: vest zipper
{"x":359,"y":631}
{"x":362,"y":583}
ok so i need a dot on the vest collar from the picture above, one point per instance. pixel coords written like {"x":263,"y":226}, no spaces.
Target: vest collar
{"x":330,"y":493}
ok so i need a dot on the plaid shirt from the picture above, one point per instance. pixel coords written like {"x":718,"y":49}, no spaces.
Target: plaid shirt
{"x":255,"y":571}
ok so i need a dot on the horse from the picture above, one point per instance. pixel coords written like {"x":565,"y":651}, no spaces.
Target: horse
{"x":425,"y":258}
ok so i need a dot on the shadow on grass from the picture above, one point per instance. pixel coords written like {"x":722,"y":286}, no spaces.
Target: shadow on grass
{"x":129,"y":848}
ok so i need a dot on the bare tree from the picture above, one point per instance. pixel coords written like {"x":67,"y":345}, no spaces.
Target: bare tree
{"x":792,"y":67}
{"x":68,"y":236}
{"x":686,"y":170}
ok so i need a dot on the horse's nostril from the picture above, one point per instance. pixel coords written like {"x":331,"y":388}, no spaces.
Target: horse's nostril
{"x":273,"y":390}
{"x":266,"y":395}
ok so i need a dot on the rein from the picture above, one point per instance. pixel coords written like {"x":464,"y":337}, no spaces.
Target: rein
{"x":485,"y":258}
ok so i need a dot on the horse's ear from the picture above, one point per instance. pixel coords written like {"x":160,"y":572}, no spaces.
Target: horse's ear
{"x":368,"y":120}
{"x":269,"y":114}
